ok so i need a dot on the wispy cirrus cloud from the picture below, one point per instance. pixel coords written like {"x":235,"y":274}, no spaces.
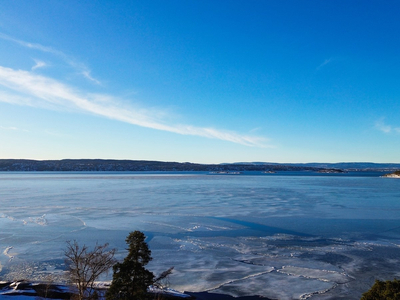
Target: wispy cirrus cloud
{"x":12,"y":128}
{"x":87,"y":75}
{"x":381,"y":126}
{"x":78,"y":66}
{"x":28,"y":88}
{"x":38,"y":64}
{"x":8,"y":128}
{"x":326,"y":62}
{"x":31,"y":45}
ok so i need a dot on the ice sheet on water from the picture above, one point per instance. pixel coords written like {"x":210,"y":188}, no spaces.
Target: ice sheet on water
{"x":280,"y":236}
{"x":231,"y":264}
{"x":322,"y":275}
{"x":315,"y":269}
{"x":275,"y":286}
{"x":55,"y":222}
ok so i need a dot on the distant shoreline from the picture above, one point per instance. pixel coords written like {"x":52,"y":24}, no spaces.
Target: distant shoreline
{"x":114,"y":165}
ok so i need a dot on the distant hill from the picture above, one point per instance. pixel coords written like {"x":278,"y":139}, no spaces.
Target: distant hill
{"x":346,"y":166}
{"x":135,"y":165}
{"x":143,"y":165}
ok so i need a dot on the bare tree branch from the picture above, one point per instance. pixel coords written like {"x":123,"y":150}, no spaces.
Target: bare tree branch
{"x":85,"y":266}
{"x":161,"y":280}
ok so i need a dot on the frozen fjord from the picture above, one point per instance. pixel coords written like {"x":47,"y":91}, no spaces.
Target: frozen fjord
{"x":284,"y":237}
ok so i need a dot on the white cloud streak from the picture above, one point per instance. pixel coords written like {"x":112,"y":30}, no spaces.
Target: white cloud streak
{"x":31,"y":89}
{"x":79,"y":67}
{"x":8,"y":128}
{"x":12,"y":128}
{"x":326,"y":61}
{"x":86,"y":73}
{"x":381,"y":126}
{"x":31,"y":45}
{"x":39,"y":64}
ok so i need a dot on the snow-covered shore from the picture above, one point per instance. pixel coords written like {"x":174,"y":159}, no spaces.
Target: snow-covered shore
{"x":25,"y":290}
{"x":393,"y":175}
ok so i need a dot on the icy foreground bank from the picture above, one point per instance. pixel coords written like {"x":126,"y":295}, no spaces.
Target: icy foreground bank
{"x":25,"y":290}
{"x":283,"y":237}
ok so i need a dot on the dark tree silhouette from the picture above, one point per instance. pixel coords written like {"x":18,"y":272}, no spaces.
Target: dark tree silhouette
{"x":131,"y":279}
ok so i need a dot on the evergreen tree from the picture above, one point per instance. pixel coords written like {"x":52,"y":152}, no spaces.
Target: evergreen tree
{"x":131,"y":279}
{"x":388,"y":290}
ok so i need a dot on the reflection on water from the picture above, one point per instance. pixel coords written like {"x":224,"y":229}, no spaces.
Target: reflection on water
{"x":284,"y":237}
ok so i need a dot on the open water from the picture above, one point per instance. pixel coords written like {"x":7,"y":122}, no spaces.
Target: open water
{"x":283,"y":236}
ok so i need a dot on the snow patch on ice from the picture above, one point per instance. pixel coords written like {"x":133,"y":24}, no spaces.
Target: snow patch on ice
{"x":7,"y":217}
{"x":42,"y":221}
{"x":6,"y":252}
{"x":167,"y":291}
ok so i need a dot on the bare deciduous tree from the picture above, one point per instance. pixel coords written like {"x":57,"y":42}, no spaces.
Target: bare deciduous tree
{"x":162,"y":281}
{"x":85,"y":266}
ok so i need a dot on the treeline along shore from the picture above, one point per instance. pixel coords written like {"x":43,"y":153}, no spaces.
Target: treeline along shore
{"x":135,"y":165}
{"x":113,"y":165}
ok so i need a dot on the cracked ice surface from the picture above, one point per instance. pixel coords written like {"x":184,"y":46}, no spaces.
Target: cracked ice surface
{"x":283,"y":237}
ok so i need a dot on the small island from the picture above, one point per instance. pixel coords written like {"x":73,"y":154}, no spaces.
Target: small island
{"x":395,"y":174}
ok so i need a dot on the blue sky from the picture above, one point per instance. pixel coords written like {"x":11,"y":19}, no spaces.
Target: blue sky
{"x":200,"y":81}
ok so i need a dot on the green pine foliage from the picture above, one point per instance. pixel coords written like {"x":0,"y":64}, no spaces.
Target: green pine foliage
{"x":383,"y":290}
{"x":131,"y":279}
